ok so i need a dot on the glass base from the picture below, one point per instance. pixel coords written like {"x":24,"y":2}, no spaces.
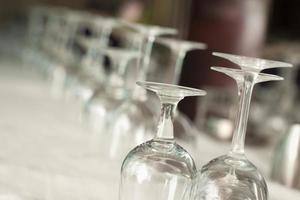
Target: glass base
{"x":230,"y":178}
{"x":157,"y":169}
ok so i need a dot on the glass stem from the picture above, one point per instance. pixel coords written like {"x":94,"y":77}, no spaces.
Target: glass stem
{"x":165,"y":125}
{"x":123,"y":66}
{"x":245,"y":88}
{"x":119,"y":69}
{"x":145,"y":59}
{"x":143,"y":63}
{"x":178,"y":66}
{"x":105,"y":36}
{"x":104,"y":42}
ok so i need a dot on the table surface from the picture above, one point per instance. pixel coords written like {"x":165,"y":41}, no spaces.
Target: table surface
{"x":44,"y":150}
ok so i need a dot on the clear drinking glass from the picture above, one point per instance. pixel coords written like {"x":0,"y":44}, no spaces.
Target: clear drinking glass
{"x":92,"y":72}
{"x":99,"y":108}
{"x":159,"y":168}
{"x":179,"y":49}
{"x":33,"y":55}
{"x":183,"y":127}
{"x":232,"y":176}
{"x":48,"y":43}
{"x":36,"y":26}
{"x":133,"y":121}
{"x":63,"y":26}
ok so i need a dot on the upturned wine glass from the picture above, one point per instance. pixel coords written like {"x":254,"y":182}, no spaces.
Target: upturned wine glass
{"x":159,"y":168}
{"x":36,"y":29}
{"x":99,"y":108}
{"x":149,"y":33}
{"x":133,"y":121}
{"x":183,"y":127}
{"x":92,"y":73}
{"x":233,"y":176}
{"x":32,"y":54}
{"x":63,"y":26}
{"x":179,"y":49}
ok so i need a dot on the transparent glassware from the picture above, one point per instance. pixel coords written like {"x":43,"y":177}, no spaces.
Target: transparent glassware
{"x":149,"y":34}
{"x":233,"y":176}
{"x":52,"y":18}
{"x":71,"y":57}
{"x":133,"y":121}
{"x":159,"y":168}
{"x":50,"y":58}
{"x":183,"y":127}
{"x":215,"y":114}
{"x":35,"y":31}
{"x":59,"y":43}
{"x":99,"y":108}
{"x":271,"y":115}
{"x":179,"y":49}
{"x":92,"y":72}
{"x":62,"y":28}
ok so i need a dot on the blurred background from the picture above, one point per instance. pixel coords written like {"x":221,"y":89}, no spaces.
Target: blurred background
{"x":240,"y":27}
{"x":267,"y":29}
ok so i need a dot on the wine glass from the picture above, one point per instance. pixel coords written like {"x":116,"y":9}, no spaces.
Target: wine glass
{"x":62,"y":27}
{"x":99,"y":108}
{"x":133,"y":121}
{"x":40,"y":34}
{"x":179,"y":49}
{"x":36,"y":25}
{"x":159,"y":168}
{"x":149,"y":34}
{"x":233,"y":176}
{"x":92,"y":73}
{"x":183,"y":127}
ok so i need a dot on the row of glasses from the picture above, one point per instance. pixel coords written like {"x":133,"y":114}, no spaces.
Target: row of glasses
{"x":65,"y":71}
{"x":87,"y":85}
{"x":127,"y":114}
{"x":59,"y":48}
{"x":71,"y":53}
{"x":93,"y":73}
{"x":125,"y":127}
{"x":54,"y":48}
